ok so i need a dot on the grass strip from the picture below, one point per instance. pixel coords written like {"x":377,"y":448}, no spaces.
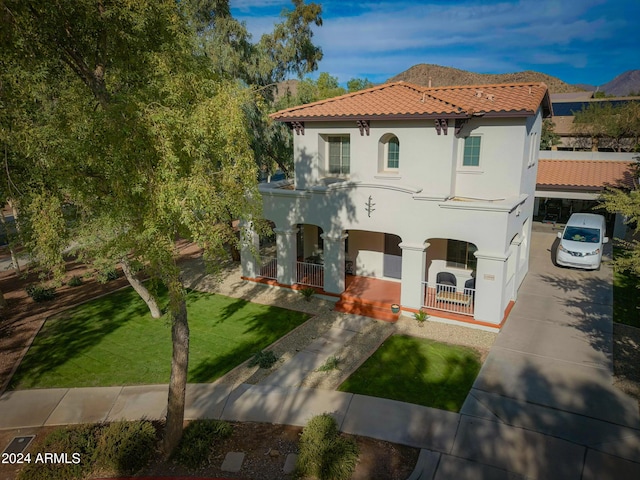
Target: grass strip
{"x":419,"y":371}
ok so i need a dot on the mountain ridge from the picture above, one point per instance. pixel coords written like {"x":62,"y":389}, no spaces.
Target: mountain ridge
{"x":439,"y":76}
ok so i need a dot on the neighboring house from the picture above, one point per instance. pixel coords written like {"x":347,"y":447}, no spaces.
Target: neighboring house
{"x":566,"y":105}
{"x":428,"y":191}
{"x":571,"y":182}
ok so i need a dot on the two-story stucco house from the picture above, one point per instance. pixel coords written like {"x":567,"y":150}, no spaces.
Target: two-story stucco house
{"x":427,"y":191}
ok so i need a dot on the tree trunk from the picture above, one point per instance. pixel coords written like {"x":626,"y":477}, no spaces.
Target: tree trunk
{"x":14,"y":258}
{"x":139,"y":287}
{"x":178,"y":382}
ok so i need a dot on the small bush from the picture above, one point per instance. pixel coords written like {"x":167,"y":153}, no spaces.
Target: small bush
{"x":198,"y":438}
{"x":126,"y":447}
{"x":264,"y":359}
{"x":40,"y":293}
{"x":307,"y":293}
{"x":79,"y":439}
{"x":324,"y":454}
{"x":108,"y":275}
{"x":75,"y":281}
{"x":331,"y":364}
{"x":421,"y":316}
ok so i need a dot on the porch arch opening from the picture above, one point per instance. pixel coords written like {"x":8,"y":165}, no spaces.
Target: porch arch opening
{"x":450,"y":274}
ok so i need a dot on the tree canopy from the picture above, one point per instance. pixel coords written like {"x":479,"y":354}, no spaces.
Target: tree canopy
{"x":548,"y":138}
{"x":126,"y":125}
{"x":605,"y":125}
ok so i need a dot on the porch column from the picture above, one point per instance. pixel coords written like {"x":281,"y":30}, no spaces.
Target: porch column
{"x":249,"y":251}
{"x":413,"y":274}
{"x":334,"y":262}
{"x":491,"y":298}
{"x":520,"y":268}
{"x":287,"y":255}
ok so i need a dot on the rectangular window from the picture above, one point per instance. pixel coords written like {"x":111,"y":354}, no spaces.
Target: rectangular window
{"x":471,"y":156}
{"x":339,"y":152}
{"x":393,"y":158}
{"x":461,"y":255}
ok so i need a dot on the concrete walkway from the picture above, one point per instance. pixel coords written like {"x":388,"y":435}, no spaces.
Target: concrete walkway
{"x":542,"y":407}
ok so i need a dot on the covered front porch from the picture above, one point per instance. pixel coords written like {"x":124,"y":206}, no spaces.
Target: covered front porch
{"x":370,"y":271}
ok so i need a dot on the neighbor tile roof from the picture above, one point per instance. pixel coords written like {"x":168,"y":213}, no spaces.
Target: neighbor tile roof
{"x":405,"y":100}
{"x":584,"y":174}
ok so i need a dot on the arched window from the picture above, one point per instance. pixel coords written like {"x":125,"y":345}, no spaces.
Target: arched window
{"x":388,"y":153}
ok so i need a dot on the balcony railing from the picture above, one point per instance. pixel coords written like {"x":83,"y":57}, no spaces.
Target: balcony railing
{"x":448,"y":298}
{"x":269,"y":267}
{"x":310,"y":274}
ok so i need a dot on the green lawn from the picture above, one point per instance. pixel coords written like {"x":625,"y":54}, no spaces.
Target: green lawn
{"x":417,"y":371}
{"x":114,"y":341}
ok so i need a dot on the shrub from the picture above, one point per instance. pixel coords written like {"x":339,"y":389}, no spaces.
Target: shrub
{"x":421,"y":316}
{"x":331,"y":364}
{"x":126,"y":447}
{"x":79,"y":439}
{"x":195,"y":446}
{"x":324,"y":454}
{"x":108,"y":275}
{"x":307,"y":293}
{"x":39,"y":293}
{"x":264,"y":359}
{"x":75,"y":281}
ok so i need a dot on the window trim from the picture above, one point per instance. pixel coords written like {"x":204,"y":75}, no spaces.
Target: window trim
{"x":329,"y":139}
{"x":463,"y":149}
{"x":387,"y":156}
{"x":383,"y":155}
{"x":533,"y":137}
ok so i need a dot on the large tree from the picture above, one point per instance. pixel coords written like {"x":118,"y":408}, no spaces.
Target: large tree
{"x":627,"y":203}
{"x":603,"y":125}
{"x":119,"y":111}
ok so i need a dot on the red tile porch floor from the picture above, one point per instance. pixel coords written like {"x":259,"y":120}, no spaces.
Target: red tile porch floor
{"x":371,"y":297}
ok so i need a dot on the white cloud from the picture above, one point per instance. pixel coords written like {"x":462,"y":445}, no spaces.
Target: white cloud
{"x":387,"y":37}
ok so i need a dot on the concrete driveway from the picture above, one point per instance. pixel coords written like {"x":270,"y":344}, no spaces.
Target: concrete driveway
{"x":543,"y":405}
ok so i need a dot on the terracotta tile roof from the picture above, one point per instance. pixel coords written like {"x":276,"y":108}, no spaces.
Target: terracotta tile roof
{"x":584,"y":174}
{"x":405,"y":100}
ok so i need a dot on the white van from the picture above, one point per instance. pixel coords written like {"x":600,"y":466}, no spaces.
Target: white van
{"x":581,"y":241}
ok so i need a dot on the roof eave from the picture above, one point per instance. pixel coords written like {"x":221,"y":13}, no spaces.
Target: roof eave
{"x":557,"y":186}
{"x":509,"y":114}
{"x":351,"y":118}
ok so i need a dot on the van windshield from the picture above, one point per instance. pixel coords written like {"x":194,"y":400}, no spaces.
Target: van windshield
{"x":582,"y":234}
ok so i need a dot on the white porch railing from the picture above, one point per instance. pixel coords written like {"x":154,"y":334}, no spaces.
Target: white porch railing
{"x":447,"y":298}
{"x":310,"y":274}
{"x":269,"y":267}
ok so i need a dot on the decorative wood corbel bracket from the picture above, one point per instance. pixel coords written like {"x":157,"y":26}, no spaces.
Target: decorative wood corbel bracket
{"x":297,"y":126}
{"x":441,"y":125}
{"x":363,"y":125}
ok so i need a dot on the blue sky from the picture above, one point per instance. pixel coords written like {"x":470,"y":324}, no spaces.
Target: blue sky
{"x":579,"y":41}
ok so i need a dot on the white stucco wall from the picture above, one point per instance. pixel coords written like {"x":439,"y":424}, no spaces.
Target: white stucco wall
{"x":429,"y":197}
